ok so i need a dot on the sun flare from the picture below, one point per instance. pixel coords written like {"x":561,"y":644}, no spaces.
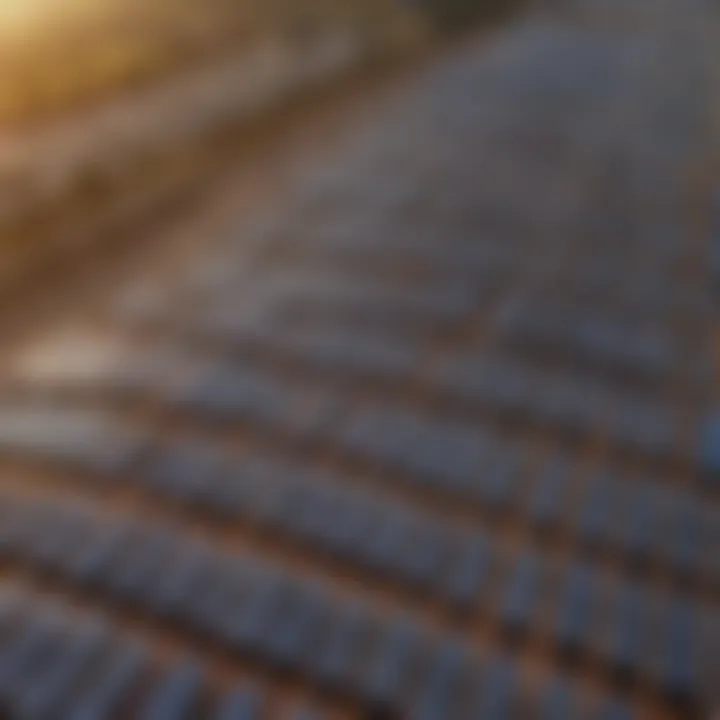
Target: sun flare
{"x":22,"y":17}
{"x":19,"y":14}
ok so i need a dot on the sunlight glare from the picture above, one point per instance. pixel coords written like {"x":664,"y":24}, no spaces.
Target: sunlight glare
{"x":23,"y":17}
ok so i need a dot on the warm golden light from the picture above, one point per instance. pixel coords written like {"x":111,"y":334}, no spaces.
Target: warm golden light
{"x":18,"y":15}
{"x":22,"y":17}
